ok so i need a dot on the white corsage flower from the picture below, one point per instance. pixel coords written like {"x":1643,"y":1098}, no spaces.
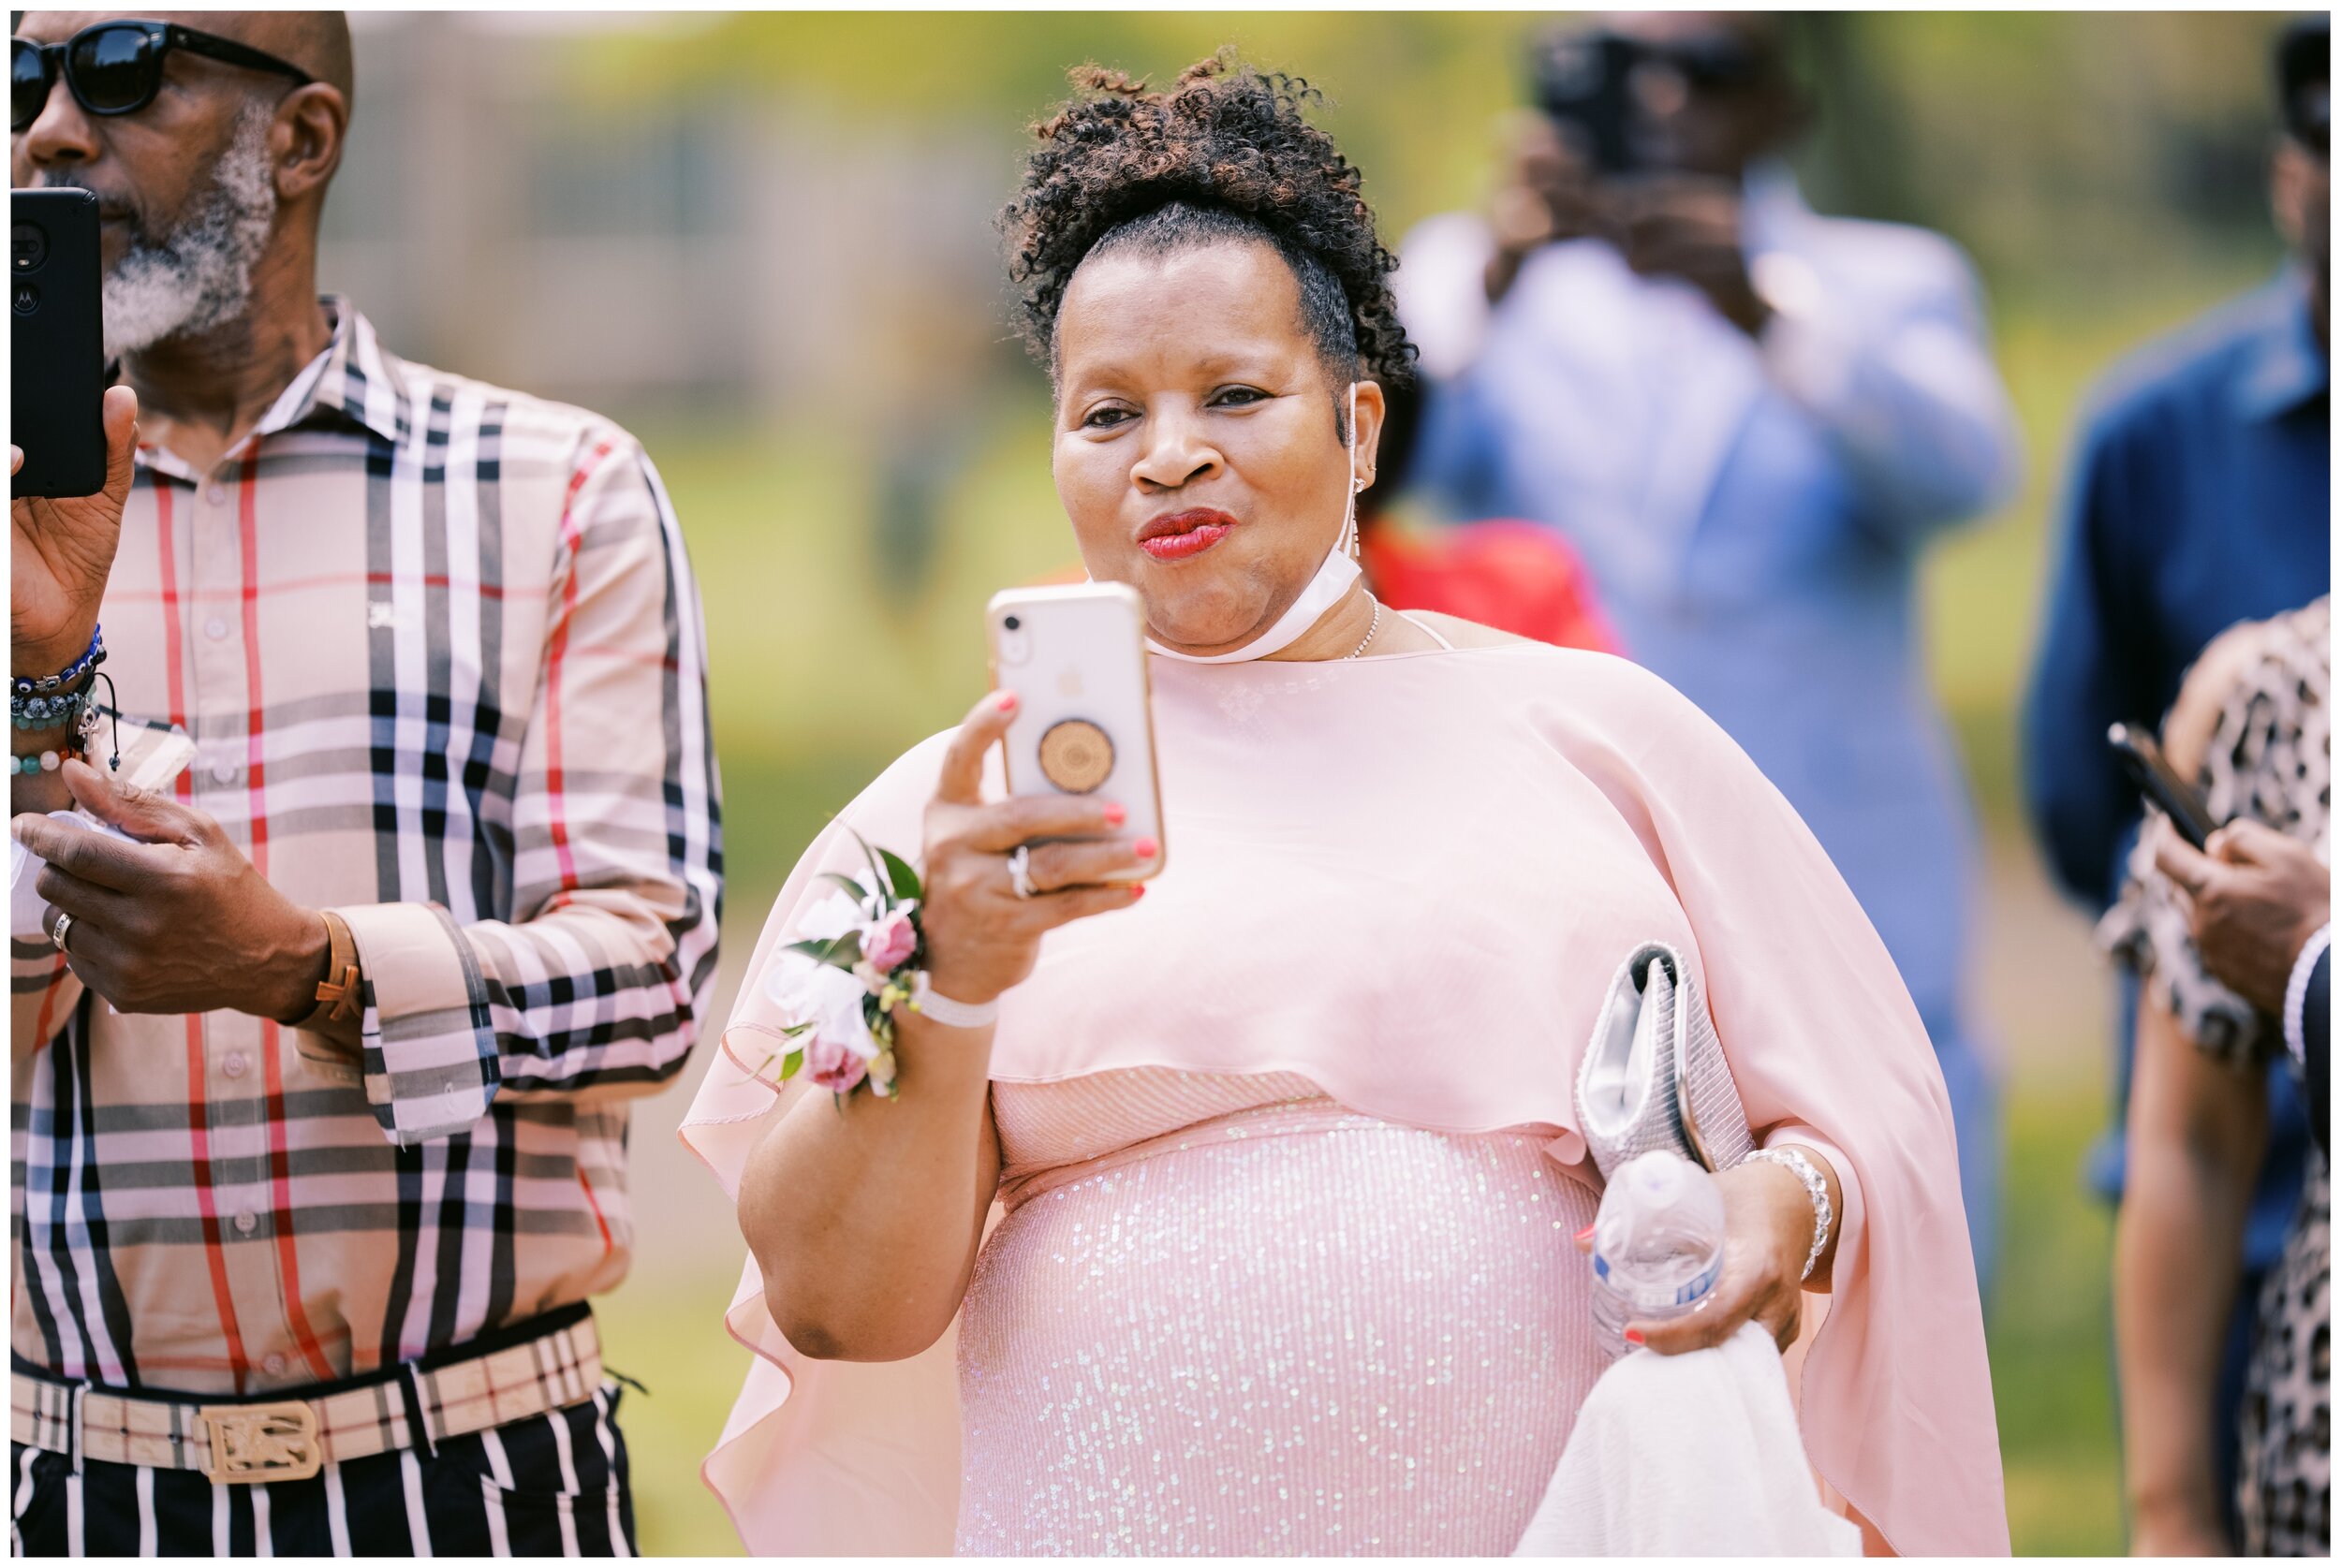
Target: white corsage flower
{"x":837,"y":984}
{"x":821,"y":1004}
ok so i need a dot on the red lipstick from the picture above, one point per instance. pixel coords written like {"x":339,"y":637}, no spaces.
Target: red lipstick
{"x":1184,"y":534}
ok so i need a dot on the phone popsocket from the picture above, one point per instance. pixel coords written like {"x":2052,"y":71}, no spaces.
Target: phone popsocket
{"x":1076,"y":756}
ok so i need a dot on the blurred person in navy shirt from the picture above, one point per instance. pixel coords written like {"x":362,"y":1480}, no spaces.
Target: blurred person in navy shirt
{"x":2201,"y":497}
{"x":1752,"y":421}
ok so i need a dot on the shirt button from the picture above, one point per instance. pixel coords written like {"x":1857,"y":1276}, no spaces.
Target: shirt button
{"x":233,"y":1065}
{"x":216,"y":495}
{"x":274,"y":1365}
{"x":216,"y":629}
{"x":247,"y":1222}
{"x":224,"y":772}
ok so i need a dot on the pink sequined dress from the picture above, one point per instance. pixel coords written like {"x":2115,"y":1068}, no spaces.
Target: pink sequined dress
{"x":1283,"y":1261}
{"x":1223,"y":1316}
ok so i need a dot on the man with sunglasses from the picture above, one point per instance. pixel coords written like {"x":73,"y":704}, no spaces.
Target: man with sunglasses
{"x":406,"y":877}
{"x":2200,"y":496}
{"x":1752,"y":421}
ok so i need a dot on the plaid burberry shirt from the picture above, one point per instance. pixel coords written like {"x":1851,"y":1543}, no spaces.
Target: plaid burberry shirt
{"x":438,"y":649}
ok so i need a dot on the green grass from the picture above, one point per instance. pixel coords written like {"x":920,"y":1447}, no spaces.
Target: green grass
{"x":663,"y":1333}
{"x":2050,"y":1330}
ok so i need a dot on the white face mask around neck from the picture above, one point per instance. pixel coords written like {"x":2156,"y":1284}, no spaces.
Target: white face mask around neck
{"x":1325,"y":590}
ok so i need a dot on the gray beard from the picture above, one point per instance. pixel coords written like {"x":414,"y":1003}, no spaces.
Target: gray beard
{"x":199,"y":277}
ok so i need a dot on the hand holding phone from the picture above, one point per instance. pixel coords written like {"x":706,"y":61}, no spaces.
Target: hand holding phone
{"x":61,"y":551}
{"x":1002,"y":875}
{"x":65,"y":523}
{"x":2159,"y":782}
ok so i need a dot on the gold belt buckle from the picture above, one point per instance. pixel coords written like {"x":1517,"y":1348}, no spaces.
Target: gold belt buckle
{"x":263,"y":1443}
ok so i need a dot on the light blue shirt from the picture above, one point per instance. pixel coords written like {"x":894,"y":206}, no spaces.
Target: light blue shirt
{"x":1752,"y":511}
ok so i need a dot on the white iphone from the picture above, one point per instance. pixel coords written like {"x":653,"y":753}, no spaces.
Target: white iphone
{"x":1076,"y":659}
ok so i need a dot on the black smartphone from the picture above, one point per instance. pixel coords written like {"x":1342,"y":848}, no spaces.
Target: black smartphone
{"x":56,"y":344}
{"x":2159,"y":783}
{"x":1583,"y":82}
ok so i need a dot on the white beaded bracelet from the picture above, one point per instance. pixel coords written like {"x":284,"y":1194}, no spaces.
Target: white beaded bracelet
{"x":1824,"y":1216}
{"x":930,"y":1003}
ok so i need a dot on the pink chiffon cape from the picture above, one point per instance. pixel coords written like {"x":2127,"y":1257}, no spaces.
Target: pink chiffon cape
{"x":1409,"y":878}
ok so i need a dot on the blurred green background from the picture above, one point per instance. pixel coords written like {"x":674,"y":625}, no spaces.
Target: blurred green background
{"x":763,"y":241}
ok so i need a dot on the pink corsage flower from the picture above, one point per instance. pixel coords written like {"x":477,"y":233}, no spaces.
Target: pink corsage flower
{"x":889,"y":940}
{"x":833,"y":1065}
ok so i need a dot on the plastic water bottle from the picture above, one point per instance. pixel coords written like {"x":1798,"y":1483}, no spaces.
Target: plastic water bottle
{"x":1658,"y":1244}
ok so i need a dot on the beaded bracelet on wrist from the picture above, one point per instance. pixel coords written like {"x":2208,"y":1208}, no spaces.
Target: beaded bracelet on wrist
{"x":1824,"y":1215}
{"x":25,"y":685}
{"x":83,"y":744}
{"x":55,"y":711}
{"x":43,"y":762}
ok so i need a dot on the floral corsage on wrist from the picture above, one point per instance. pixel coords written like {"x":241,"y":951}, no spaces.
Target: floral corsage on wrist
{"x":841,"y":985}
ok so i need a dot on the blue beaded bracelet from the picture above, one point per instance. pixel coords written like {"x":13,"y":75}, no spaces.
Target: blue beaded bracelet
{"x":91,"y":658}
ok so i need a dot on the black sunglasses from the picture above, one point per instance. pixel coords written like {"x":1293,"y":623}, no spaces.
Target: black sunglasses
{"x":116,"y":67}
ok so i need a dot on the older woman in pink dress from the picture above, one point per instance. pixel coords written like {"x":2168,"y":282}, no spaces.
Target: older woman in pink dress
{"x":1250,"y":1224}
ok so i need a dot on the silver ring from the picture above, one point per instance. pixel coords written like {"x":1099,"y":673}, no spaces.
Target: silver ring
{"x":58,"y":933}
{"x":1019,"y":874}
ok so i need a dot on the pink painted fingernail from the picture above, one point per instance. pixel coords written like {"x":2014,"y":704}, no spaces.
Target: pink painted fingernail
{"x":1585,"y":1235}
{"x":1004,"y":702}
{"x":1633,"y":1337}
{"x":1115,"y":815}
{"x":1138,"y":891}
{"x":1144,"y":849}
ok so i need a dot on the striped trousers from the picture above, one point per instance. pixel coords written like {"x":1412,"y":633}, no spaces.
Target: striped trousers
{"x":551,"y":1485}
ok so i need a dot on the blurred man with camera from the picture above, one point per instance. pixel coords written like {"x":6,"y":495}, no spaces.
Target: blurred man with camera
{"x":395,"y":874}
{"x":2201,"y":496}
{"x":1751,"y":421}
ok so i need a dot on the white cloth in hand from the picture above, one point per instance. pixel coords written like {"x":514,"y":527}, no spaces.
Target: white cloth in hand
{"x":26,"y":904}
{"x":1689,"y":1456}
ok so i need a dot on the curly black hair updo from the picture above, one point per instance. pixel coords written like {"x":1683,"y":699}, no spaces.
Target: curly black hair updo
{"x":1224,"y":154}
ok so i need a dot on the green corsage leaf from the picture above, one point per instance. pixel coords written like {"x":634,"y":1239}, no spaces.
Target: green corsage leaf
{"x":905,"y":880}
{"x":843,"y":952}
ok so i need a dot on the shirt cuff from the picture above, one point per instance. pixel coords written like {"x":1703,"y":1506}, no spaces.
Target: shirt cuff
{"x":2296,"y":992}
{"x":428,"y":1048}
{"x":1807,"y":355}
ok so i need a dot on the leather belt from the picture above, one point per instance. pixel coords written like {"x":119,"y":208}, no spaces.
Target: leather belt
{"x":542,"y":1365}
